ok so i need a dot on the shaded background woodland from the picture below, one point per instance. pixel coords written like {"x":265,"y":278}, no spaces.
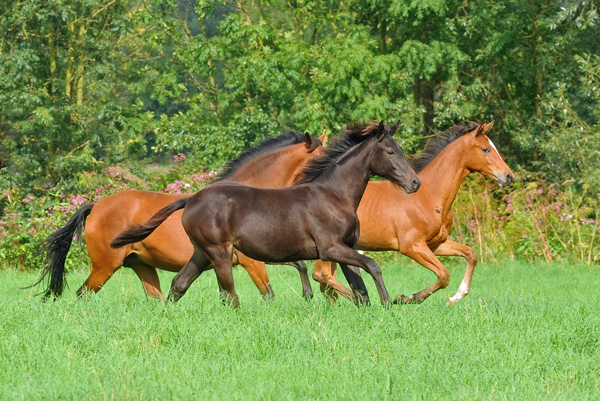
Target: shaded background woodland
{"x":98,"y":96}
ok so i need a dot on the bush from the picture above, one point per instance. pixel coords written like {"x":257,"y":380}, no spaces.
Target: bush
{"x":29,"y":218}
{"x":531,"y":221}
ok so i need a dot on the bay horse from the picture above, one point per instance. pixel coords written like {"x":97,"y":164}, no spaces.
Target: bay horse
{"x":314,"y":218}
{"x":274,"y":163}
{"x":418,"y":225}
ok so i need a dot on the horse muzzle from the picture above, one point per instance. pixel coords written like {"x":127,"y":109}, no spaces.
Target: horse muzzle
{"x":413,"y":186}
{"x":506,"y":179}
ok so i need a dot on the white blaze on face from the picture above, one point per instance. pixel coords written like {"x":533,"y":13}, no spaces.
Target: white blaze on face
{"x":498,"y":153}
{"x":493,"y":146}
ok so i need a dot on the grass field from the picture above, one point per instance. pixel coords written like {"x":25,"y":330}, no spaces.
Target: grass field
{"x":526,"y":331}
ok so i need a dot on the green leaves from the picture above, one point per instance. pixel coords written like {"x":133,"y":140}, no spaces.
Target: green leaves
{"x":123,"y":81}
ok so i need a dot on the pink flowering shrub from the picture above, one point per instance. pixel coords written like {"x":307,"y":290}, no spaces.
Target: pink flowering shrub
{"x":179,"y":158}
{"x":194,"y":183}
{"x":531,"y":222}
{"x":28,"y":219}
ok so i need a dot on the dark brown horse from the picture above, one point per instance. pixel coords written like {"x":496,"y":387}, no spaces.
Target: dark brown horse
{"x":274,"y":163}
{"x":315,"y":218}
{"x":418,"y":225}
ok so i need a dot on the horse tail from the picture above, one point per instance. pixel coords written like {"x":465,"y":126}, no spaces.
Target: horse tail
{"x":140,"y":232}
{"x":57,"y":247}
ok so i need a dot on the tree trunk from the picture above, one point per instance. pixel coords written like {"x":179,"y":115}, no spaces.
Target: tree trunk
{"x":80,"y":69}
{"x":538,"y":77}
{"x":52,"y":54}
{"x":71,"y":60}
{"x":427,"y":91}
{"x":242,"y":6}
{"x":383,"y":33}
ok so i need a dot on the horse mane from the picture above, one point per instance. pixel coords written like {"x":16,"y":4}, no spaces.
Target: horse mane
{"x":291,"y":137}
{"x":436,"y":145}
{"x":350,"y":137}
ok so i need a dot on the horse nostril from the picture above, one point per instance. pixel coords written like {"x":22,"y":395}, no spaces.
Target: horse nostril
{"x":509,"y":178}
{"x":416,"y":183}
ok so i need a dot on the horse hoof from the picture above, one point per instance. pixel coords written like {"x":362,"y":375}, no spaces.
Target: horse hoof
{"x":450,"y":301}
{"x":403,"y":299}
{"x":268,"y":297}
{"x":387,"y":302}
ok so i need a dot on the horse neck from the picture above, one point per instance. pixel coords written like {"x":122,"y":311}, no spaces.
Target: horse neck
{"x":272,"y":170}
{"x":349,"y":178}
{"x":444,"y":174}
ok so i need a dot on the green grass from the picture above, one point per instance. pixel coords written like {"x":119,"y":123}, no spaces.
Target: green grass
{"x":526,"y":331}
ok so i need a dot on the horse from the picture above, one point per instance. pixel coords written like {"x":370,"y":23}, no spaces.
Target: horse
{"x":314,"y":218}
{"x":274,"y":163}
{"x":418,"y":225}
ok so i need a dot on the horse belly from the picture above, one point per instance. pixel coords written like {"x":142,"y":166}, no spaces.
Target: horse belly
{"x":274,"y":244}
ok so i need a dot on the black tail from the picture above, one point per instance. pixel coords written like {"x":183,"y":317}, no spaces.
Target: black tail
{"x":57,"y":247}
{"x":140,"y":232}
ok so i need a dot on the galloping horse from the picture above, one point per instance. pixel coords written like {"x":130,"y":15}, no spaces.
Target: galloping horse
{"x":314,"y":218}
{"x":274,"y":163}
{"x":418,"y":225}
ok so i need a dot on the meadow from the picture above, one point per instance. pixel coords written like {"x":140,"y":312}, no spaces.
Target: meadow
{"x":527,"y":331}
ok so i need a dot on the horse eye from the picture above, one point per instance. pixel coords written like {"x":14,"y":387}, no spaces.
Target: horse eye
{"x":390,"y":152}
{"x":485,"y":150}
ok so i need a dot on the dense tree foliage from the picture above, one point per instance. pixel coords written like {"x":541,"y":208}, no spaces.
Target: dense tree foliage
{"x":85,"y":84}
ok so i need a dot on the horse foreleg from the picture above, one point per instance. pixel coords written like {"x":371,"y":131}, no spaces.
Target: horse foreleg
{"x":149,"y":278}
{"x":421,"y":253}
{"x":186,"y":276}
{"x":323,"y":273}
{"x":225,"y":274}
{"x":341,"y":253}
{"x":451,"y":248}
{"x":352,"y":274}
{"x":303,"y":270}
{"x":220,"y":256}
{"x":258,"y":274}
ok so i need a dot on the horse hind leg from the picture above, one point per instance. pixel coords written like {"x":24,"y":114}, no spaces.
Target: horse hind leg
{"x":149,"y":278}
{"x":104,"y":265}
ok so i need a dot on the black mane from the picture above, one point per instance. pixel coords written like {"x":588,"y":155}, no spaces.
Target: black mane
{"x":435,"y":146}
{"x":291,"y":137}
{"x":351,"y":136}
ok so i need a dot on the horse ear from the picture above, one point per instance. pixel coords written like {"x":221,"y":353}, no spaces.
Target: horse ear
{"x":309,"y":142}
{"x":395,"y":127}
{"x":322,"y":137}
{"x":381,"y":131}
{"x":477,"y":132}
{"x":487,"y":128}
